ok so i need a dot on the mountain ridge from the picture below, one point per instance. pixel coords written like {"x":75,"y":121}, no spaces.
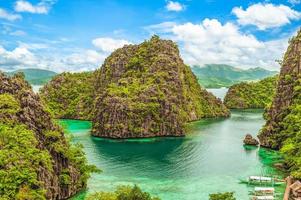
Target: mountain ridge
{"x":34,"y":76}
{"x":222,"y":75}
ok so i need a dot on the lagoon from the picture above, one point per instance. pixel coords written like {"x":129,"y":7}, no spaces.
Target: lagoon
{"x":211,"y":158}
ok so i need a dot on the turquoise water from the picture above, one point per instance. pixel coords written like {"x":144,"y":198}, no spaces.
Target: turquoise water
{"x":211,"y":158}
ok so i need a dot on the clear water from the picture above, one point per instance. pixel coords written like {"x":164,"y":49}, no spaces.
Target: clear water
{"x":219,"y":92}
{"x":210,"y":159}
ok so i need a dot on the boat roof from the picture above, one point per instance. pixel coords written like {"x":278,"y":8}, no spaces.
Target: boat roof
{"x":264,"y":198}
{"x":261,"y":178}
{"x":264,"y":189}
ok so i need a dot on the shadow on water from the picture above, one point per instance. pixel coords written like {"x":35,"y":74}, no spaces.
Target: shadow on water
{"x":125,"y":151}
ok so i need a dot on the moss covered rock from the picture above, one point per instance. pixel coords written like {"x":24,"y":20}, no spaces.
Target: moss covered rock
{"x":251,"y":94}
{"x":35,"y":157}
{"x":146,"y":90}
{"x":70,"y":95}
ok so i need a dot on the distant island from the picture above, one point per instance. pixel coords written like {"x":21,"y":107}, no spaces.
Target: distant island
{"x":35,"y":76}
{"x":247,"y":95}
{"x":140,"y":91}
{"x":221,"y":75}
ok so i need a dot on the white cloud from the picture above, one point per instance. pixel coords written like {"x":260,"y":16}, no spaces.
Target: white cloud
{"x":36,"y":55}
{"x":266,"y":16}
{"x":20,"y":56}
{"x":163,"y":27}
{"x":41,"y":8}
{"x":9,"y":16}
{"x":174,"y":6}
{"x":18,"y":33}
{"x":214,"y":42}
{"x":85,"y":60}
{"x":294,"y":2}
{"x":109,"y":44}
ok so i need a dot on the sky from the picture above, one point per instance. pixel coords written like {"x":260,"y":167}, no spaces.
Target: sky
{"x":77,"y":35}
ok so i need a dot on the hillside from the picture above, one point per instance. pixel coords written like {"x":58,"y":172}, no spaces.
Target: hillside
{"x":219,"y":75}
{"x":35,"y":76}
{"x":146,"y":90}
{"x":70,"y":95}
{"x":251,"y":94}
{"x":283,"y":118}
{"x":37,"y":161}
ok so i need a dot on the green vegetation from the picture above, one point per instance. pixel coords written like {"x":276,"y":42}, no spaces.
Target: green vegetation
{"x":219,"y":75}
{"x":35,"y":76}
{"x":35,"y":156}
{"x":222,"y":196}
{"x":123,"y":193}
{"x":146,"y":90}
{"x":290,"y":133}
{"x":69,"y":95}
{"x":283,"y":118}
{"x":251,"y":95}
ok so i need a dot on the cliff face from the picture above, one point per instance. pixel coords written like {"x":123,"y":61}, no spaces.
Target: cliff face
{"x":70,"y":95}
{"x":251,"y":95}
{"x":37,"y":162}
{"x":146,"y":90}
{"x":283,"y":108}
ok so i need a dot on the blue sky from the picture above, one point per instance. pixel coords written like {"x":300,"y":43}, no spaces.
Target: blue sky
{"x":64,"y":35}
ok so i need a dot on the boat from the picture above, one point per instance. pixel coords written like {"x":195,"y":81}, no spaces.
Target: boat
{"x":263,"y":198}
{"x":264,"y":191}
{"x":261,"y":180}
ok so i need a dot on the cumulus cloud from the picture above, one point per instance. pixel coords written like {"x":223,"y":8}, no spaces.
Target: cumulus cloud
{"x":174,"y":6}
{"x":20,"y":56}
{"x":38,"y":55}
{"x":9,"y":16}
{"x":49,"y":55}
{"x":85,"y":60}
{"x":41,"y":8}
{"x":213,"y":42}
{"x":109,"y":44}
{"x":266,"y":16}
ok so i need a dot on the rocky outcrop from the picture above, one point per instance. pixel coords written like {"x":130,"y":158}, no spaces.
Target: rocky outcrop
{"x":70,"y":95}
{"x":146,"y":90}
{"x":251,"y":94}
{"x":66,"y":172}
{"x":286,"y":97}
{"x":249,"y":140}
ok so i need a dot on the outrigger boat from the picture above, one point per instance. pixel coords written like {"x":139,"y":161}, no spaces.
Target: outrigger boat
{"x":263,"y":198}
{"x":263,"y":193}
{"x":262,"y":180}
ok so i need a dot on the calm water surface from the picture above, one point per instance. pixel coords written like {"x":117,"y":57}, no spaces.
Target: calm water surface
{"x":211,"y":158}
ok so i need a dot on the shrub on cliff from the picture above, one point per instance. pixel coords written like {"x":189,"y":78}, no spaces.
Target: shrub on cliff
{"x":69,"y":95}
{"x":222,"y":196}
{"x":123,"y":193}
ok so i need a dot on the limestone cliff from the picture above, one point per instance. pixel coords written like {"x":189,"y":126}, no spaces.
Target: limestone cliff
{"x":286,"y":98}
{"x":146,"y":90}
{"x":36,"y":160}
